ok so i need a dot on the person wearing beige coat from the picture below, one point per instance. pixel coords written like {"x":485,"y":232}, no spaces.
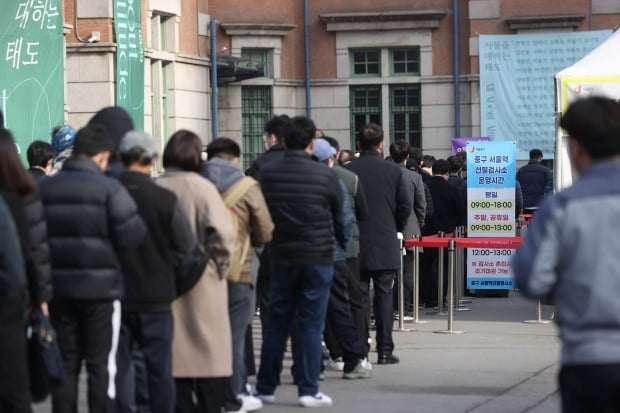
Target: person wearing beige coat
{"x":201,"y":346}
{"x":244,"y":197}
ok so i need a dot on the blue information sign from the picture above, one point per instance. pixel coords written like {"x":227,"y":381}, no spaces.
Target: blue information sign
{"x":491,"y":171}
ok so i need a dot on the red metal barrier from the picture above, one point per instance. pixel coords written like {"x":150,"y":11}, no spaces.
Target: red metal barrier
{"x":485,"y":242}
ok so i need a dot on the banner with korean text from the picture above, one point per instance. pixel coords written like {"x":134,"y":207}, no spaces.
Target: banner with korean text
{"x":31,"y":69}
{"x":517,"y":90}
{"x":491,"y":172}
{"x":129,"y":59}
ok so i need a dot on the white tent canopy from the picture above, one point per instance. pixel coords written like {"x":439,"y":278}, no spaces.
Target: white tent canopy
{"x":602,"y":61}
{"x":597,"y":73}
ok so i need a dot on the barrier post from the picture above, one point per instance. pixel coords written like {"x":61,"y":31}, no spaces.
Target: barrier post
{"x":416,"y":286}
{"x":401,"y":288}
{"x":458,"y":233}
{"x":539,"y":319}
{"x":460,"y":265}
{"x":440,"y":296}
{"x":451,"y":279}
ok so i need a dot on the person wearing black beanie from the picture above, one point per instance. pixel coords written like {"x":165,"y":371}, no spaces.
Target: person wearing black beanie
{"x":115,"y":122}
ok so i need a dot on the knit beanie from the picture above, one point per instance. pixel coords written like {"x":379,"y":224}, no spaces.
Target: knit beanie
{"x":115,"y":121}
{"x":64,"y":138}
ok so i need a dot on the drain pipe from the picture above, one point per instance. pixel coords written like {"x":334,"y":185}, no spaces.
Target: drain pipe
{"x":307,"y":59}
{"x":214,"y":103}
{"x":457,"y":70}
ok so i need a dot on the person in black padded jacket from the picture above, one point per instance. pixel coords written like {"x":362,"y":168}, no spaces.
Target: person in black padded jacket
{"x":303,"y":196}
{"x":89,"y":217}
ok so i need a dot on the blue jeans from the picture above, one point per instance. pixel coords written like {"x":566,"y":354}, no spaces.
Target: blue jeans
{"x":301,"y":292}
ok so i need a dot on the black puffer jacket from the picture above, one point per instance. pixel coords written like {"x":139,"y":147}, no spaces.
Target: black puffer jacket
{"x":29,"y":220}
{"x":273,"y":153}
{"x":88,"y":216}
{"x":302,"y":196}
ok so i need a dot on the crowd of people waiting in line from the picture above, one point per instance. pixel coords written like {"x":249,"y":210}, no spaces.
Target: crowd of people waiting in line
{"x":90,"y":238}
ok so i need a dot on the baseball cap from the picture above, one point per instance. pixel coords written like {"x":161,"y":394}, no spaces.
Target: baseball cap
{"x":64,"y":138}
{"x":322,"y":149}
{"x":135,"y":139}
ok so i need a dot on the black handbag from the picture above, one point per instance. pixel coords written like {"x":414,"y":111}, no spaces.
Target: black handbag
{"x":45,"y":361}
{"x":188,"y":269}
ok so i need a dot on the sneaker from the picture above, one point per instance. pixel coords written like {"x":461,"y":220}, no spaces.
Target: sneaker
{"x":249,"y":402}
{"x":367,"y":365}
{"x":359,"y":372}
{"x":405,"y":317}
{"x":334,"y":364}
{"x":265,"y":398}
{"x":318,"y":400}
{"x":236,"y":411}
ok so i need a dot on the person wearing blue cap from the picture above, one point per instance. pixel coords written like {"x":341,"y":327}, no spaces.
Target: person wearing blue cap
{"x":63,"y":138}
{"x":339,"y":317}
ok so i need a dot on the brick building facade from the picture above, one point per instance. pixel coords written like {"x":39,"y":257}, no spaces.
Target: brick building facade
{"x":393,"y":65}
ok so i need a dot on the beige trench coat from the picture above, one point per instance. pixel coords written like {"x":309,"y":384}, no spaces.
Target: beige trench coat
{"x":201,"y":346}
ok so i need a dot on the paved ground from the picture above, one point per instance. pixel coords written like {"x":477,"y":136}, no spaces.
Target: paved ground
{"x":499,"y":365}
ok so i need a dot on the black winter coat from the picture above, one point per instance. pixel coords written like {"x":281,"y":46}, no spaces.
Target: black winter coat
{"x":12,"y":271}
{"x":449,"y":208}
{"x":389,"y":205}
{"x":29,"y":220}
{"x":536,"y":181}
{"x":89,"y":216}
{"x":302,"y":196}
{"x":148,"y":274}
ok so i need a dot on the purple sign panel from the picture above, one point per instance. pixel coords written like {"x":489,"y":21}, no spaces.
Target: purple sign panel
{"x":459,"y":144}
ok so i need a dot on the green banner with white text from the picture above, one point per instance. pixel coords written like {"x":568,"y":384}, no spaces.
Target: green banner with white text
{"x":129,"y":59}
{"x":31,"y":69}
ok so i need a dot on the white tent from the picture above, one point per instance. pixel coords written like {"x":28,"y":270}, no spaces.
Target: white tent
{"x":597,"y":73}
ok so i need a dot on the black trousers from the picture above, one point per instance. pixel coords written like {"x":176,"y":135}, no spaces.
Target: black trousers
{"x":383,"y":281}
{"x":356,"y":302}
{"x":428,"y":277}
{"x":590,"y":388}
{"x":85,"y":331}
{"x":340,"y":319}
{"x":208,"y":392}
{"x":14,"y":381}
{"x":152,"y":332}
{"x":333,"y":346}
{"x":407,"y":283}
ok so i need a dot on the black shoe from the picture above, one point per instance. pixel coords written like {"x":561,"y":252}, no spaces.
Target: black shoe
{"x":388,"y":359}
